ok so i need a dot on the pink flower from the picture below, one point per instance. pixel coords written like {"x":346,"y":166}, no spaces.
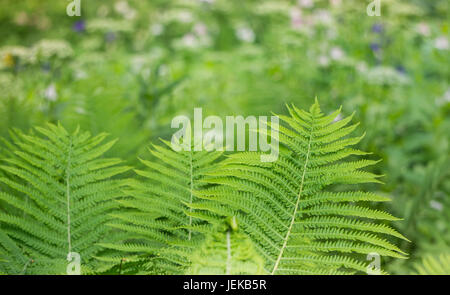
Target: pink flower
{"x":200,"y":29}
{"x":423,"y":29}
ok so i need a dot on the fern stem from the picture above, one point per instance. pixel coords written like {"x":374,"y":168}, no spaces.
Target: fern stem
{"x":190,"y":199}
{"x":298,"y":201}
{"x":24,"y":270}
{"x":68,"y":195}
{"x":228,"y":271}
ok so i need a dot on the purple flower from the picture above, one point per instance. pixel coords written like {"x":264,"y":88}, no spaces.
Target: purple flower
{"x":375,"y":47}
{"x":79,"y":26}
{"x":377,"y":28}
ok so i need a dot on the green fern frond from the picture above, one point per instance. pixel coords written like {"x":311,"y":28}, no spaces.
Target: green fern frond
{"x":433,"y":265}
{"x":161,"y":225}
{"x":297,"y":225}
{"x":57,"y":192}
{"x":12,"y":258}
{"x":226,"y":253}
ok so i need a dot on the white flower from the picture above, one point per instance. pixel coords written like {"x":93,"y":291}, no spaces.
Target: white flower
{"x":336,"y":53}
{"x":125,"y":10}
{"x":381,"y":75}
{"x":423,"y":29}
{"x":323,"y":61}
{"x":323,"y":17}
{"x":296,"y":18}
{"x":46,"y":49}
{"x":200,"y":29}
{"x":245,"y":34}
{"x":441,"y":43}
{"x":50,"y":93}
{"x":335,"y":2}
{"x":189,"y":40}
{"x":121,"y":7}
{"x":306,"y":3}
{"x":185,"y":17}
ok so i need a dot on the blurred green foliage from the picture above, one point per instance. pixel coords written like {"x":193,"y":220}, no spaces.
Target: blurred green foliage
{"x":129,"y":67}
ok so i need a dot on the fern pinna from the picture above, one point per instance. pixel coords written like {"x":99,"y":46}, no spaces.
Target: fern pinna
{"x":56,"y":195}
{"x":297,"y":225}
{"x":227,"y":251}
{"x":162,"y":227}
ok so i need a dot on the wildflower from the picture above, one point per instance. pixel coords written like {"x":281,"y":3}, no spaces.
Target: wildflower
{"x":323,"y":17}
{"x":336,"y":53}
{"x":335,"y":2}
{"x":79,"y":26}
{"x":305,"y":3}
{"x":441,"y":43}
{"x":10,"y":55}
{"x":377,"y":28}
{"x":105,"y":25}
{"x":46,"y":49}
{"x":189,"y":40}
{"x":200,"y":29}
{"x":323,"y":61}
{"x":245,"y":34}
{"x":50,"y":93}
{"x":296,"y":18}
{"x":185,"y":17}
{"x":8,"y":60}
{"x":375,"y":47}
{"x":382,"y":75}
{"x":423,"y":29}
{"x":125,"y":10}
